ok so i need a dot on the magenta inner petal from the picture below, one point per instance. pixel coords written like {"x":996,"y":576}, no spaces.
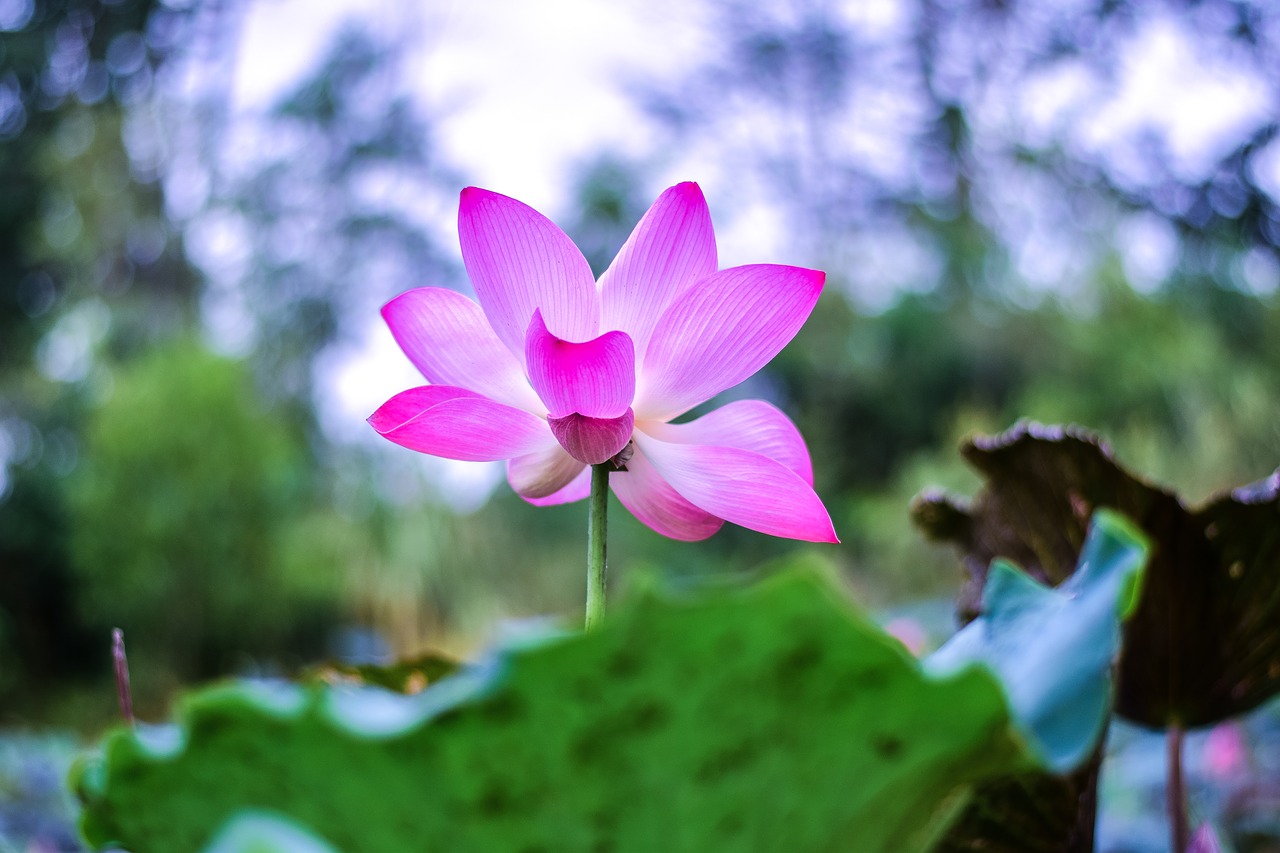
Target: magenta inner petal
{"x":596,"y":378}
{"x":593,"y":440}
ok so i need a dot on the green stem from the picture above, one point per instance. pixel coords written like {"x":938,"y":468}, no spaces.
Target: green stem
{"x":596,"y":527}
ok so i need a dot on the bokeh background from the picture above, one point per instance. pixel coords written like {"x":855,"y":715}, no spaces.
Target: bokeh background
{"x":1064,"y":210}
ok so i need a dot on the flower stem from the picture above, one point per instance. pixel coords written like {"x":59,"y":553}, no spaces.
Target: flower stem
{"x":596,"y":528}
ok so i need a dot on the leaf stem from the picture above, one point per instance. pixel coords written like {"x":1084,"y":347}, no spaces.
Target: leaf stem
{"x":1176,"y":792}
{"x":596,"y":528}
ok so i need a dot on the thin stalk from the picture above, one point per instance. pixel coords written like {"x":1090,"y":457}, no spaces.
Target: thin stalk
{"x":596,"y":528}
{"x":1176,"y":792}
{"x":123,"y":693}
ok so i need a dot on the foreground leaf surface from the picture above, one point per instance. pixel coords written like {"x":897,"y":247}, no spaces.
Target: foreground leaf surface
{"x":257,"y":832}
{"x":775,"y":719}
{"x":1204,"y":643}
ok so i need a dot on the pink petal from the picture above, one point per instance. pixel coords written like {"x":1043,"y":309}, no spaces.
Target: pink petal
{"x":545,"y":474}
{"x":592,"y":440}
{"x":447,"y":337}
{"x":458,"y":424}
{"x":578,"y":489}
{"x":596,"y":378}
{"x":652,"y":500}
{"x":721,"y":331}
{"x":672,"y":247}
{"x":519,"y":261}
{"x":741,"y":486}
{"x":747,"y":425}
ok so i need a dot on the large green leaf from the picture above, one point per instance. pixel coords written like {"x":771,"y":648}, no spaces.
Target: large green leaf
{"x":1204,"y":644}
{"x":251,"y":831}
{"x":774,"y":719}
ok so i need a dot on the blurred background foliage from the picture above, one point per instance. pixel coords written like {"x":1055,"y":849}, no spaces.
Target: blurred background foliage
{"x":178,"y":287}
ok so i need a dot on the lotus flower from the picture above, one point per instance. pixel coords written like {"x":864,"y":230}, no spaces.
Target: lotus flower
{"x":553,"y":371}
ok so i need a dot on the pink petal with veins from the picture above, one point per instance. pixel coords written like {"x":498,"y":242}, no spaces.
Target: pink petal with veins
{"x":672,"y":247}
{"x":721,"y":331}
{"x":447,"y":337}
{"x":596,"y":378}
{"x":458,"y":424}
{"x":539,"y":476}
{"x":748,"y":425}
{"x":578,"y":488}
{"x":741,"y":486}
{"x":592,"y":440}
{"x":519,"y":261}
{"x":652,"y":500}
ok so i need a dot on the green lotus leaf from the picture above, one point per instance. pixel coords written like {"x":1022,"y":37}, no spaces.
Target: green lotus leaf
{"x":771,"y":719}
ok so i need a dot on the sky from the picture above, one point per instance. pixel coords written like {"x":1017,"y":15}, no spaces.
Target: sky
{"x":527,"y":87}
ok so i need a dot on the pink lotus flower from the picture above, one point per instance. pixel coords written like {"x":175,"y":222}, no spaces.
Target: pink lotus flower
{"x":553,"y":371}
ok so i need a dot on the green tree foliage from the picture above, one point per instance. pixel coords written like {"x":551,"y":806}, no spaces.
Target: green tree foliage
{"x":177,"y":508}
{"x":87,"y":267}
{"x":982,"y":267}
{"x":330,"y":209}
{"x":882,"y":382}
{"x":68,"y":58}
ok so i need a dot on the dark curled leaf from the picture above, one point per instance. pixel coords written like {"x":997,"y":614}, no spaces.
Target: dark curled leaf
{"x":1204,"y":644}
{"x":1054,"y":649}
{"x":1031,"y":813}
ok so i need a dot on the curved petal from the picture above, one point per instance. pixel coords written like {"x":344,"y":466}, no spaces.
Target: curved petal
{"x":578,"y":488}
{"x":458,"y":424}
{"x":748,"y":425}
{"x":540,"y":476}
{"x":673,"y":246}
{"x":596,"y":378}
{"x":658,"y":506}
{"x":447,"y":337}
{"x":593,"y":440}
{"x":719,"y":332}
{"x":741,"y":486}
{"x":519,"y":261}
